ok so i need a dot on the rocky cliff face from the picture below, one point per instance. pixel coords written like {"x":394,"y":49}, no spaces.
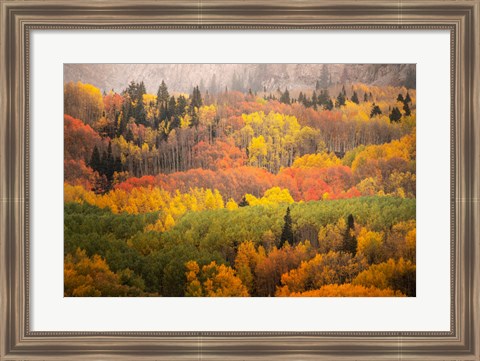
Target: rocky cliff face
{"x":215,"y":77}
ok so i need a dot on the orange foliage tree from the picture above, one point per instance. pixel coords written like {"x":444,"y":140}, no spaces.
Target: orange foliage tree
{"x":213,"y":281}
{"x":87,"y":277}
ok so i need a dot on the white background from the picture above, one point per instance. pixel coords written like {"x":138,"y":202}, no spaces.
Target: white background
{"x":429,"y":311}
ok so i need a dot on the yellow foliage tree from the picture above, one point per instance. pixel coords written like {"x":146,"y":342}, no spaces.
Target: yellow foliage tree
{"x":150,"y":106}
{"x":231,"y":205}
{"x":271,"y":198}
{"x":213,"y":281}
{"x":323,"y":269}
{"x":91,"y":277}
{"x":330,"y":236}
{"x":320,"y":160}
{"x":246,"y":261}
{"x":369,"y":245}
{"x":194,"y":288}
{"x":83,"y":101}
{"x":397,"y":275}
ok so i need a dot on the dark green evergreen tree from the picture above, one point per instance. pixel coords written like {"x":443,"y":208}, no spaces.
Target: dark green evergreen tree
{"x":375,"y":110}
{"x":118,"y":167}
{"x":243,"y":202}
{"x":314,"y":100}
{"x":287,"y":231}
{"x":162,"y":95}
{"x":285,"y":97}
{"x":129,"y":135}
{"x":103,"y":163}
{"x":355,"y":98}
{"x":135,"y":93}
{"x":395,"y":115}
{"x":349,"y":239}
{"x":340,"y":100}
{"x":329,"y":105}
{"x":181,"y":106}
{"x":400,"y":98}
{"x":196,"y":98}
{"x":407,"y":98}
{"x":171,"y":113}
{"x":195,"y":103}
{"x":323,"y":98}
{"x":141,"y":89}
{"x":365,"y":97}
{"x":300,"y":97}
{"x":95,"y":161}
{"x":406,"y":109}
{"x":306,"y":102}
{"x":109,"y":163}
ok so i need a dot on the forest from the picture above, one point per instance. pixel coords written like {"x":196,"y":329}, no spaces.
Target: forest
{"x":240,"y":190}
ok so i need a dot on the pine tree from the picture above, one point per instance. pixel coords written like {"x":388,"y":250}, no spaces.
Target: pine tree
{"x":172,"y":114}
{"x":181,"y":106}
{"x":109,"y":163}
{"x":329,"y":105}
{"x":285,"y":97}
{"x":134,"y":96}
{"x":349,"y":239}
{"x":103,"y":164}
{"x":129,"y":136}
{"x":406,"y":109}
{"x":300,"y":97}
{"x":407,"y":98}
{"x":314,"y":100}
{"x":395,"y":115}
{"x":287,"y":231}
{"x":141,"y":89}
{"x":195,"y":103}
{"x":323,"y":98}
{"x":400,"y":98}
{"x":305,"y":101}
{"x":375,"y":110}
{"x":340,"y":100}
{"x":95,"y":161}
{"x":162,"y":94}
{"x":355,"y":98}
{"x":365,"y":97}
{"x":243,"y":202}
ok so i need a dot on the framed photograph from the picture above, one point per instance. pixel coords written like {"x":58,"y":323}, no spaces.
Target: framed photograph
{"x":239,"y":181}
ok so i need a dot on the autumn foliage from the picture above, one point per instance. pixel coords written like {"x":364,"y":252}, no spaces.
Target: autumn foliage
{"x":234,"y":194}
